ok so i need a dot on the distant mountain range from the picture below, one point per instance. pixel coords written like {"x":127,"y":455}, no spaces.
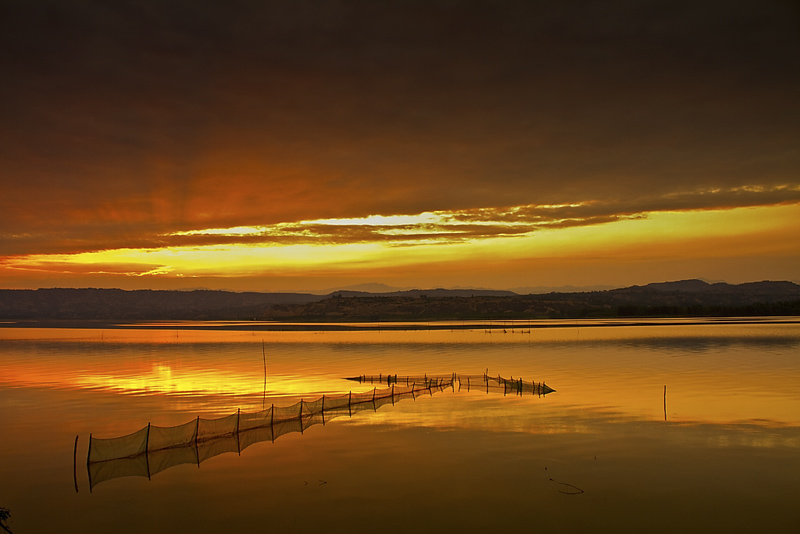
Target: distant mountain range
{"x":383,"y":289}
{"x":438,"y":292}
{"x":682,"y":298}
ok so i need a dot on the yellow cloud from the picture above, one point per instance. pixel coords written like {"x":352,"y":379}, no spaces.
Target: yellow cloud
{"x":663,"y":235}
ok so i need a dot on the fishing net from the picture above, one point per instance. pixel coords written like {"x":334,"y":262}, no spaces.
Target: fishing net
{"x":172,"y":436}
{"x":215,"y":446}
{"x":116,"y":448}
{"x":153,"y":448}
{"x":214,"y":428}
{"x":255,"y":435}
{"x":121,"y":467}
{"x":160,"y":460}
{"x":249,"y":421}
{"x":286,"y":413}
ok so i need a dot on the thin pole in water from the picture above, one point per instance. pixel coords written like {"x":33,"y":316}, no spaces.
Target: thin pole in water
{"x":88,"y":462}
{"x":146,"y":455}
{"x":238,"y":421}
{"x":301,"y":416}
{"x":272,"y":422}
{"x":75,"y":464}
{"x":264,"y":354}
{"x":196,"y":437}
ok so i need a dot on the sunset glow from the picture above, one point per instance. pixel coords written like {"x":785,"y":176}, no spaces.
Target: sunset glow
{"x":366,"y":248}
{"x":240,"y":375}
{"x":250,"y":249}
{"x":537,"y":147}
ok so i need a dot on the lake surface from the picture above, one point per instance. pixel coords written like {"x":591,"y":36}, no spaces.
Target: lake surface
{"x":657,"y":428}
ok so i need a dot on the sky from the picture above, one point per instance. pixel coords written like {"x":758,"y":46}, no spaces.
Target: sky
{"x":306,"y":145}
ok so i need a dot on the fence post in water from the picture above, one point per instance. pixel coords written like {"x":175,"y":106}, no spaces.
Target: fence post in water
{"x":301,"y":416}
{"x":392,"y":395}
{"x":238,"y":442}
{"x":88,"y":461}
{"x":349,"y":404}
{"x":196,"y":446}
{"x":146,"y":452}
{"x":75,"y":464}
{"x":272,"y":422}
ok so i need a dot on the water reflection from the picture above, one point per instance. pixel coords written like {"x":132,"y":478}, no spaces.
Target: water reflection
{"x":714,"y":372}
{"x":725,"y":459}
{"x":153,"y":449}
{"x":665,"y":472}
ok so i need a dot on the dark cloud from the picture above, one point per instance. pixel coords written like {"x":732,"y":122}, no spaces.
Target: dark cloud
{"x":124,"y":121}
{"x":440,"y":227}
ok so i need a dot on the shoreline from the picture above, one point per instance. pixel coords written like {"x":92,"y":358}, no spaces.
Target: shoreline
{"x":491,"y":325}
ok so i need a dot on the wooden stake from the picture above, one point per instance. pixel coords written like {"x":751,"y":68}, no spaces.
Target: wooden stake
{"x":75,"y":464}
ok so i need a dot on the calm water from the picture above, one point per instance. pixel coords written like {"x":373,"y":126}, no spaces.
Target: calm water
{"x":721,"y":451}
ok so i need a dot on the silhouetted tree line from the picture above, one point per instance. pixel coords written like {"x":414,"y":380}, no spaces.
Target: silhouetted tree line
{"x":692,"y":298}
{"x":139,"y":305}
{"x":765,"y":309}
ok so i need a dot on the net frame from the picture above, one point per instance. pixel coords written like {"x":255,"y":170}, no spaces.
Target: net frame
{"x":153,"y":449}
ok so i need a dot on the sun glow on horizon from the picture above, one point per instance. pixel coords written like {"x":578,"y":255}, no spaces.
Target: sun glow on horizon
{"x":426,"y":240}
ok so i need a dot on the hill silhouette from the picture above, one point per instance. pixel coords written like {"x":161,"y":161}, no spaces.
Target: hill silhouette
{"x":689,"y":298}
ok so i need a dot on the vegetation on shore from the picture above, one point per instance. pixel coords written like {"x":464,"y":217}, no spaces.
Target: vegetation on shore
{"x":692,"y":298}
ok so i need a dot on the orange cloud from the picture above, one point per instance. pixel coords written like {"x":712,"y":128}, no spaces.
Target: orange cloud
{"x":506,"y":122}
